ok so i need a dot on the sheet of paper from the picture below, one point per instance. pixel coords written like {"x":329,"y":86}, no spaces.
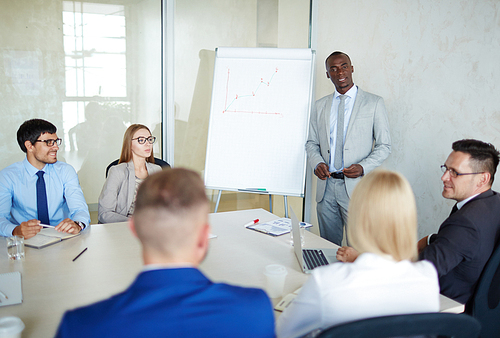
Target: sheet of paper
{"x":10,"y":286}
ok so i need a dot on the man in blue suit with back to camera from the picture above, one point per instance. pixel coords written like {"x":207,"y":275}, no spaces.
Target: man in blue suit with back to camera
{"x":171,"y":297}
{"x":341,"y":148}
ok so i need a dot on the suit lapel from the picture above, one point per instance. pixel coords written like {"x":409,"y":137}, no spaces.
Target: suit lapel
{"x":131,"y":183}
{"x":360,"y":97}
{"x":326,"y":118}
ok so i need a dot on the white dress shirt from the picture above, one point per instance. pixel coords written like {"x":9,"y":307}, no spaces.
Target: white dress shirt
{"x":372,"y":286}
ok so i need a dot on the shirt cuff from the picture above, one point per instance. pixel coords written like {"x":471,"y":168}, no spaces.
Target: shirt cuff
{"x":429,"y":239}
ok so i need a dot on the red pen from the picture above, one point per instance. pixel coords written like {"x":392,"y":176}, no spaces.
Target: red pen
{"x":255,"y":221}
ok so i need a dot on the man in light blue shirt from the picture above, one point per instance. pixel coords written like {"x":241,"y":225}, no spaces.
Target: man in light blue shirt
{"x":22,"y":207}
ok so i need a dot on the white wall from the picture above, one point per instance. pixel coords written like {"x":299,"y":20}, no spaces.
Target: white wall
{"x":436,"y":65}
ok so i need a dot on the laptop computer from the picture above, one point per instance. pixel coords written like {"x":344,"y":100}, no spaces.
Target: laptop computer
{"x":309,"y":258}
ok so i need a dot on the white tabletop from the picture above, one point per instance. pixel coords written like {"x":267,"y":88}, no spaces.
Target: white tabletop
{"x":52,"y":283}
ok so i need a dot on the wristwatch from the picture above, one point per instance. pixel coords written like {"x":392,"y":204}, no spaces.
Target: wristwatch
{"x":80,"y":224}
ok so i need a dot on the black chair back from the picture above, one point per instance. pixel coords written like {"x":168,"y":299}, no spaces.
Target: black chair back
{"x":158,"y":161}
{"x":433,"y":324}
{"x":484,"y":303}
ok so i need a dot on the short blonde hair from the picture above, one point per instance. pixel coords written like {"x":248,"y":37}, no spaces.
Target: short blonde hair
{"x":170,"y":206}
{"x":383,"y":216}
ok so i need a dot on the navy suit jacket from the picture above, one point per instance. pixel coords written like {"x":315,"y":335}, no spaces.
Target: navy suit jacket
{"x":463,"y":245}
{"x":179,"y":302}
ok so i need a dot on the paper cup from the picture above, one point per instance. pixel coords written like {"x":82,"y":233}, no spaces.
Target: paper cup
{"x":11,"y":327}
{"x":275,"y":280}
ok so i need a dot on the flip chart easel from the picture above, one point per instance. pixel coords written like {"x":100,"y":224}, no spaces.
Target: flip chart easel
{"x":259,"y":118}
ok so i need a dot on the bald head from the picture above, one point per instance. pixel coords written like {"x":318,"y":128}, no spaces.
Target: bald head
{"x":171,"y":215}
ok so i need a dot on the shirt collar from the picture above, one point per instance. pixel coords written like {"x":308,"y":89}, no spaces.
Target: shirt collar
{"x":461,"y":203}
{"x":351,"y":92}
{"x":31,"y":169}
{"x":150,"y":267}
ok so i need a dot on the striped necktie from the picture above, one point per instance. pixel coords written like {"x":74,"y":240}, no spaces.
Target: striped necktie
{"x":339,"y":145}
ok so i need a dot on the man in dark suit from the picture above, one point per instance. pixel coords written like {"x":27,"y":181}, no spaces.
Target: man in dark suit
{"x":364,"y":142}
{"x":467,"y":238}
{"x":171,"y":297}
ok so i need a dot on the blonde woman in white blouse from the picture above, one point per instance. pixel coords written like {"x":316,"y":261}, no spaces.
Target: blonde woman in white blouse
{"x":117,"y":199}
{"x":384,"y":280}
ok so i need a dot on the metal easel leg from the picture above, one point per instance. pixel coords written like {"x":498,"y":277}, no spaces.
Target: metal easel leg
{"x":218,"y":200}
{"x":286,"y":206}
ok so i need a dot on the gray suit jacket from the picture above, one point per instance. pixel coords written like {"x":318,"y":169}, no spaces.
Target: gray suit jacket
{"x":367,"y":141}
{"x":118,"y":192}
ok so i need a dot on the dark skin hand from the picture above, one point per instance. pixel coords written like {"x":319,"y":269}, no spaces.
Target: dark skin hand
{"x":322,"y":171}
{"x":353,"y":171}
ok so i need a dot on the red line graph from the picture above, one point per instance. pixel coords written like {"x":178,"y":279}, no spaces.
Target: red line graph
{"x":252,"y":95}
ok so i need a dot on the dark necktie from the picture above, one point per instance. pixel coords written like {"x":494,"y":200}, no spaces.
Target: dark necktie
{"x":454,"y":210}
{"x":41,"y":199}
{"x":339,"y":145}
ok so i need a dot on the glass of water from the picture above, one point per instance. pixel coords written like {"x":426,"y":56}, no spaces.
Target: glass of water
{"x":15,"y":247}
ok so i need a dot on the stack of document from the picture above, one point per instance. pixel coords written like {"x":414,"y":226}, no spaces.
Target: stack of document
{"x":277,"y":227}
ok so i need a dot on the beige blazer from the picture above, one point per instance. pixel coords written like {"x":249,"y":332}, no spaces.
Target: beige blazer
{"x":367,"y":141}
{"x":118,"y":192}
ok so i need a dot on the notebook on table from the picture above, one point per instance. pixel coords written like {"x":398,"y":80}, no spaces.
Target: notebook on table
{"x":46,"y":237}
{"x":309,"y":258}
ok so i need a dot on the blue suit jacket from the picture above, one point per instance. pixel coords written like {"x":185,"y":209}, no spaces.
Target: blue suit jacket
{"x":178,"y":302}
{"x":463,"y":245}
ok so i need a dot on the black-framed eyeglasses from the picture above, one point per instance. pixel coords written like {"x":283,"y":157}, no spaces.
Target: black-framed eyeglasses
{"x":142,"y":139}
{"x":50,"y":142}
{"x":453,"y":172}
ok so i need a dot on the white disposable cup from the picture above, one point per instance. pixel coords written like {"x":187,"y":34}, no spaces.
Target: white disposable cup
{"x":15,"y":247}
{"x":275,"y":279}
{"x":11,"y":327}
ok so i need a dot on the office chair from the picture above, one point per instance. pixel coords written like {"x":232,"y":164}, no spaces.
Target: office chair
{"x":484,"y":302}
{"x":442,"y":324}
{"x":158,"y":161}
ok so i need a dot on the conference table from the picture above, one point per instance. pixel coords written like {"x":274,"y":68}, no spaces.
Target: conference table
{"x":53,"y":283}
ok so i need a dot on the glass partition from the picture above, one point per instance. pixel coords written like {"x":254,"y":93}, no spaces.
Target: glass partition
{"x":90,"y":67}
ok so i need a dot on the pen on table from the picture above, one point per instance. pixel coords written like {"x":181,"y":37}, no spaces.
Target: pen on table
{"x":3,"y":295}
{"x":74,"y":259}
{"x":255,"y":221}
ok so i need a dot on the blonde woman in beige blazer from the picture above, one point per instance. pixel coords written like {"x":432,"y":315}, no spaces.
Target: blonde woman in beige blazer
{"x":117,"y":199}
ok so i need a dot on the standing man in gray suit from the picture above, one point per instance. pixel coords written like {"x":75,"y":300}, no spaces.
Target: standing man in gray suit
{"x":341,"y":148}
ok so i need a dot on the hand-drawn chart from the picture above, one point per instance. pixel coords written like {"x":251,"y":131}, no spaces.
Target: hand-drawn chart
{"x":259,"y":116}
{"x":231,"y":101}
